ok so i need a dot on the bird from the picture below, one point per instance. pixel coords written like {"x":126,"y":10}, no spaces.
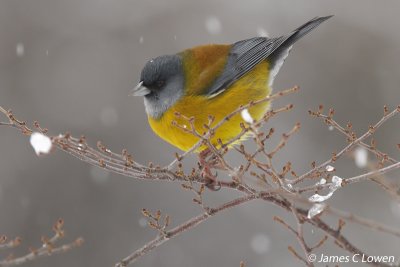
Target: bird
{"x":213,"y":80}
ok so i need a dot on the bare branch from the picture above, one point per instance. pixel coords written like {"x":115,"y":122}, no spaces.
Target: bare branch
{"x":193,"y":222}
{"x":49,"y":247}
{"x":258,"y":164}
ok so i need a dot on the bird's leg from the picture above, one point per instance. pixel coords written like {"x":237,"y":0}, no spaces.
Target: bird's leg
{"x":211,"y":179}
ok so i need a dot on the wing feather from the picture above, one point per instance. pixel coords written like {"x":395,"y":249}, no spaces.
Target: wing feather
{"x":246,"y":54}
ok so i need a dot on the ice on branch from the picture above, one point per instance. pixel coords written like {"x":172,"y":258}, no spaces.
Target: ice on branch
{"x":336,"y":183}
{"x":361,"y":157}
{"x":320,"y":198}
{"x":330,"y":168}
{"x":321,"y":182}
{"x":316,"y":209}
{"x":246,"y":116}
{"x":40,"y":143}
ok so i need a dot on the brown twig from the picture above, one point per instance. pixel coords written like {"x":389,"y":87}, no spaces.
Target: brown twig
{"x":347,"y":148}
{"x":49,"y":247}
{"x":191,"y":223}
{"x":279,"y":190}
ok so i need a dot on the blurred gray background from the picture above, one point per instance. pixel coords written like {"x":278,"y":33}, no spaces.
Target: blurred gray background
{"x":70,"y":65}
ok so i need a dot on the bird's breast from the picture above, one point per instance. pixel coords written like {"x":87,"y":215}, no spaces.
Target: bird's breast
{"x":251,"y":87}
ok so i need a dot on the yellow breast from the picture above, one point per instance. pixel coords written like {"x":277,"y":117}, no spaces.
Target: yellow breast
{"x":252,"y":86}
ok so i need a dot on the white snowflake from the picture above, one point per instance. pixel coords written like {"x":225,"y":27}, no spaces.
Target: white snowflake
{"x":213,"y":25}
{"x":262,"y":32}
{"x":142,"y":222}
{"x":246,"y":116}
{"x":99,"y":175}
{"x":40,"y":143}
{"x":20,"y":50}
{"x":109,"y":116}
{"x":361,"y":157}
{"x":395,"y":208}
{"x":261,"y":243}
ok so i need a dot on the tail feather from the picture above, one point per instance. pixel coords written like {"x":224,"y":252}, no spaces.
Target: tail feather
{"x":304,"y":29}
{"x":279,"y":55}
{"x":246,"y":54}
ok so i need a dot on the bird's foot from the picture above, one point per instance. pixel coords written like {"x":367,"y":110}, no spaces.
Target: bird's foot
{"x":206,"y":173}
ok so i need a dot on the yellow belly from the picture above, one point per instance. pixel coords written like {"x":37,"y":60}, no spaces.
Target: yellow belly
{"x":251,"y":87}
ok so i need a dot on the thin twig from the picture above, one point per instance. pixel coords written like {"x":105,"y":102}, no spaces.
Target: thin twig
{"x":346,"y":149}
{"x":363,"y":221}
{"x":191,"y":223}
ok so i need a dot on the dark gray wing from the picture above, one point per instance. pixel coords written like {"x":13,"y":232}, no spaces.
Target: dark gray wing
{"x":246,"y":54}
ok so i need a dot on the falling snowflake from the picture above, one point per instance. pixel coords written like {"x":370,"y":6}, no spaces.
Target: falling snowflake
{"x":213,"y":25}
{"x":361,"y":157}
{"x":20,"y":49}
{"x":108,"y":116}
{"x":395,"y":208}
{"x":142,"y":222}
{"x":261,"y":32}
{"x":99,"y":175}
{"x":261,"y":243}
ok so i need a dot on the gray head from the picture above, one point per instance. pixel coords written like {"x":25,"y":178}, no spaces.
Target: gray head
{"x":161,"y":84}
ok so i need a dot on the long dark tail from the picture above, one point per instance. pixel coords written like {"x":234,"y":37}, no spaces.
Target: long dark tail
{"x":246,"y":54}
{"x":294,"y":36}
{"x":278,"y":56}
{"x":304,"y":29}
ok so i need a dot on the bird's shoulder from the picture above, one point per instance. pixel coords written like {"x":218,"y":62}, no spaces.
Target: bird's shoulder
{"x":202,"y":65}
{"x":210,"y":69}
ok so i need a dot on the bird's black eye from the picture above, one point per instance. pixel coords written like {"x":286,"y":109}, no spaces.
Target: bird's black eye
{"x":160,"y":83}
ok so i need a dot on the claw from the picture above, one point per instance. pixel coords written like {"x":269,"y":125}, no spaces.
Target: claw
{"x":211,"y":179}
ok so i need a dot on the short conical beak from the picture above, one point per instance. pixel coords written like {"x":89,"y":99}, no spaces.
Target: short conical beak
{"x":140,"y":90}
